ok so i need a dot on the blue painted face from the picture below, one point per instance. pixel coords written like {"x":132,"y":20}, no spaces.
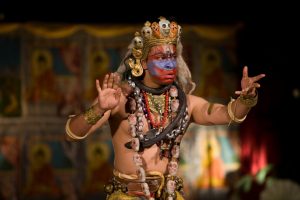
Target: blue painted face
{"x":165,"y":64}
{"x":162,"y":63}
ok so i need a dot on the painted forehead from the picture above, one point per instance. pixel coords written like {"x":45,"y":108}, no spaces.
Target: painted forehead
{"x":166,"y":48}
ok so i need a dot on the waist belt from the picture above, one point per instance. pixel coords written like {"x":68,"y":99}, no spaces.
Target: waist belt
{"x":154,"y":179}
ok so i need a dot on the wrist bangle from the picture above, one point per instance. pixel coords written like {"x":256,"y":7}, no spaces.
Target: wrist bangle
{"x":231,"y":114}
{"x":91,"y":117}
{"x":71,"y":134}
{"x":248,"y":101}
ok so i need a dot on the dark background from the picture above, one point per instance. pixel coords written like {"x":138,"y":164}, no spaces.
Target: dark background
{"x":268,"y":43}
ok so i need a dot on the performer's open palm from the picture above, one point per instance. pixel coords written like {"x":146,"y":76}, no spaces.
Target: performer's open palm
{"x":249,"y":84}
{"x":110,"y":93}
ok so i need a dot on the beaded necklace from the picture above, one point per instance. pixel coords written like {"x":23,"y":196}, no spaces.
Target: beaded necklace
{"x":159,"y":123}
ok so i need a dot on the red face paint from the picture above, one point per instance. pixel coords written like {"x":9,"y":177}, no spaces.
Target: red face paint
{"x":162,"y":64}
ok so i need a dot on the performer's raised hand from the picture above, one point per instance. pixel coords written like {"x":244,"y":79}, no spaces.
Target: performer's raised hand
{"x":249,"y":84}
{"x":110,"y":93}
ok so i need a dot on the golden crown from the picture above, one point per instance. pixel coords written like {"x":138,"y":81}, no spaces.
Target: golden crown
{"x":152,"y":34}
{"x":155,"y":33}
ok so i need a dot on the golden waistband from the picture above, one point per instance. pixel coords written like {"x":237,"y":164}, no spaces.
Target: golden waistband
{"x":155,"y":180}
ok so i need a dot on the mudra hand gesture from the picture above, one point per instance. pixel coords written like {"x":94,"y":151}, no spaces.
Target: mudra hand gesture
{"x":110,"y":93}
{"x":249,"y":84}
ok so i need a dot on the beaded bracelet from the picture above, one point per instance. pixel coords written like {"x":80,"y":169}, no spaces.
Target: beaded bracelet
{"x":91,"y":117}
{"x":248,"y":101}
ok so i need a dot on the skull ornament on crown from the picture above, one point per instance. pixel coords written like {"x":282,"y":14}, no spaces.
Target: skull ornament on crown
{"x":152,"y":34}
{"x":163,"y":32}
{"x":164,"y":26}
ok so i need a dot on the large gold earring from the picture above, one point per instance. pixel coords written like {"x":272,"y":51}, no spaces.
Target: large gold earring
{"x":135,"y":64}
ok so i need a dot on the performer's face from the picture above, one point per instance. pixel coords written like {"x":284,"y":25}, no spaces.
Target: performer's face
{"x":161,"y":63}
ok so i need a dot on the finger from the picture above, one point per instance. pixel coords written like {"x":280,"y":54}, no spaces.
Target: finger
{"x":251,"y":90}
{"x":256,"y":85}
{"x":253,"y":86}
{"x":245,"y":72}
{"x":110,"y":80}
{"x":118,"y":93}
{"x":256,"y":78}
{"x":245,"y":91}
{"x":238,"y":92}
{"x":98,"y":86}
{"x":104,"y":86}
{"x":116,"y":81}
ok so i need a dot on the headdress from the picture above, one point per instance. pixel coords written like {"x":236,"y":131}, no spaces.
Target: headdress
{"x":152,"y":34}
{"x":163,"y":32}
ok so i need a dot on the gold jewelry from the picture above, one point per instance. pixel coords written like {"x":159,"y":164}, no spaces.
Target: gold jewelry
{"x":157,"y":103}
{"x":162,"y":32}
{"x":91,"y":117}
{"x":71,"y":134}
{"x":248,"y":101}
{"x":155,"y":33}
{"x":124,"y":176}
{"x":135,"y":64}
{"x":231,"y":114}
{"x":152,"y":34}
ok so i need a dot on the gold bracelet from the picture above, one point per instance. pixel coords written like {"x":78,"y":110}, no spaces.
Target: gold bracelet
{"x":91,"y":117}
{"x":248,"y":101}
{"x":231,"y":114}
{"x":71,"y":134}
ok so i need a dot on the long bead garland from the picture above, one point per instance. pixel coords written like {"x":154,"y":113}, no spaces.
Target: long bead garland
{"x":139,"y":107}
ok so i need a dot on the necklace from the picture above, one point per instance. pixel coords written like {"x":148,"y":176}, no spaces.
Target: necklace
{"x":156,"y":102}
{"x":179,"y":115}
{"x":172,"y":101}
{"x":163,"y":116}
